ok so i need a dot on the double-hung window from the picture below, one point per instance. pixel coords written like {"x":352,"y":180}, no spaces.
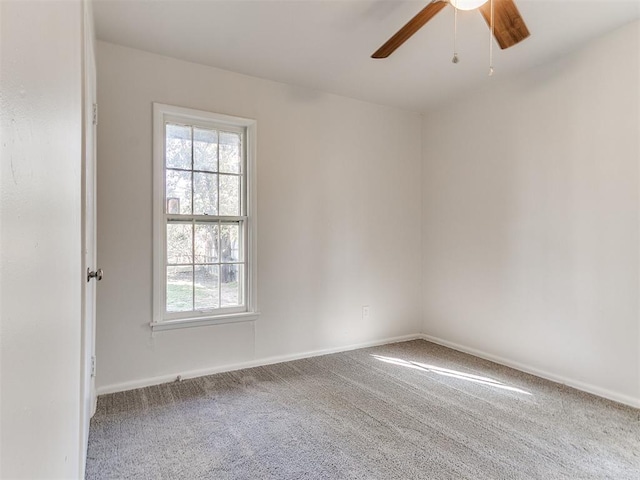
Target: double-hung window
{"x":204,"y":218}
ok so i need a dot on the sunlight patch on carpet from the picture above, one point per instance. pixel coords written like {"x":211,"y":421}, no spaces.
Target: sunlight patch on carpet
{"x":449,"y":373}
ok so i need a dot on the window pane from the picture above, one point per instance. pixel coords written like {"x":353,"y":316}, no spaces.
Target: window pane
{"x":178,"y":146}
{"x":230,"y":243}
{"x":230,"y":152}
{"x":205,"y":195}
{"x":231,"y":288}
{"x":178,"y":192}
{"x":179,"y":246}
{"x":206,"y":243}
{"x":229,"y":195}
{"x":205,"y":149}
{"x":179,"y":289}
{"x":206,"y":288}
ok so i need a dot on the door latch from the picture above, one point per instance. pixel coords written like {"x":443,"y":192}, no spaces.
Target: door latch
{"x":97,"y":274}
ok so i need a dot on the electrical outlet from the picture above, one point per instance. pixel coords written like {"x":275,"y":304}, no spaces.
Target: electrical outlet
{"x":366,"y":312}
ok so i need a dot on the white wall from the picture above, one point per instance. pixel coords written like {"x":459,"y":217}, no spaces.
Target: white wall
{"x":339,"y":219}
{"x":530,"y":219}
{"x":40,"y":274}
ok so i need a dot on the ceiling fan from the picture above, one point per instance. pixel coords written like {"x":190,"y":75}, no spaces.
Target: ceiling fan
{"x":508,"y":28}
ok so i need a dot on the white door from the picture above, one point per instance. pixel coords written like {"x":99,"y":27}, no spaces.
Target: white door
{"x":89,"y":233}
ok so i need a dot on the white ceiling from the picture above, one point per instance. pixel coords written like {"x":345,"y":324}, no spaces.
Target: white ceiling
{"x":327,"y":44}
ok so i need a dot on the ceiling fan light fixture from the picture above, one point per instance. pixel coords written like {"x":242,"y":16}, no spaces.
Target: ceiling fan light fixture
{"x":509,"y":28}
{"x":467,"y":4}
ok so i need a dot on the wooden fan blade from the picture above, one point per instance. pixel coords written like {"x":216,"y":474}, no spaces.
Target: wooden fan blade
{"x":409,"y":29}
{"x":509,"y":26}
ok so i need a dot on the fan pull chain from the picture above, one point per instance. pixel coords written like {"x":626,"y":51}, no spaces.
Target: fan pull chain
{"x":455,"y":36}
{"x":491,"y":42}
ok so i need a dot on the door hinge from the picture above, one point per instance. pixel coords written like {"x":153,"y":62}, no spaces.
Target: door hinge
{"x":95,"y":114}
{"x":93,"y":365}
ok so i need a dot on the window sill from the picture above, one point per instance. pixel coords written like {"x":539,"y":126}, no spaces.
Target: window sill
{"x":200,"y":322}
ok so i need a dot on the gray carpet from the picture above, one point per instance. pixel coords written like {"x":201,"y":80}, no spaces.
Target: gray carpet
{"x":410,"y":410}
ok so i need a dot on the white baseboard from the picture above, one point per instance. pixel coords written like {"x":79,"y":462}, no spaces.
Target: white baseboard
{"x":585,"y":387}
{"x":146,"y":382}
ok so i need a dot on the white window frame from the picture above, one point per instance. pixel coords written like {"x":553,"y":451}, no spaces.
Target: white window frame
{"x":163,"y":114}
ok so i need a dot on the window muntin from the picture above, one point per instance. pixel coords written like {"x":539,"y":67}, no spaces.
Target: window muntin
{"x":203,"y":230}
